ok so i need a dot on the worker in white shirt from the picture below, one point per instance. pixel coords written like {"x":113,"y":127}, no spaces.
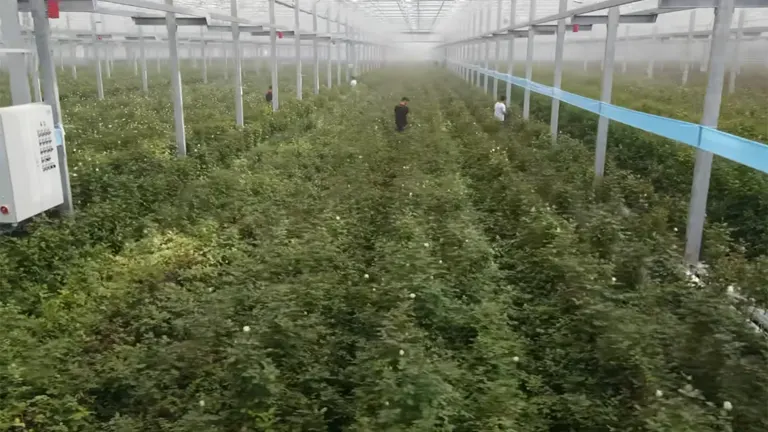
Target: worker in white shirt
{"x":500,"y":109}
{"x":353,"y":82}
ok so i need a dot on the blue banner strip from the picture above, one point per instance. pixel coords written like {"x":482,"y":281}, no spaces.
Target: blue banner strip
{"x":746,"y":152}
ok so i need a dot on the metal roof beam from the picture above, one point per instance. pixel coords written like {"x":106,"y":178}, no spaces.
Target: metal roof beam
{"x":623,"y":19}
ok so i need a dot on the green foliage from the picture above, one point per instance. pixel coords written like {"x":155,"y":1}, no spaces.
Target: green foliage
{"x":318,"y":271}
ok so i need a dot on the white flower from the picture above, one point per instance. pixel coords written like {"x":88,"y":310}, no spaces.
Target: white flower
{"x":659,"y":393}
{"x":374,"y":290}
{"x":613,"y":279}
{"x":410,"y":194}
{"x":201,"y":403}
{"x":246,"y":329}
{"x":366,"y":276}
{"x":386,"y":403}
{"x":412,"y":295}
{"x":727,"y":406}
{"x":730,"y":289}
{"x":426,"y":244}
{"x":441,"y":261}
{"x":515,"y":359}
{"x":338,"y":218}
{"x":402,"y":352}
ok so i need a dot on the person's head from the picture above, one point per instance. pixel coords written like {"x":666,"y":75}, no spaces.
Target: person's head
{"x":270,"y":89}
{"x":502,"y":98}
{"x":404,"y":101}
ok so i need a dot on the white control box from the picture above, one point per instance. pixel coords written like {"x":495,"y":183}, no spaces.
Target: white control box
{"x":30,"y":182}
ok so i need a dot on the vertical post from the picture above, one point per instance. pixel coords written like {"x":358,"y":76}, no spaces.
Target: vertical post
{"x":338,"y":49}
{"x":625,"y":54}
{"x":273,"y":55}
{"x":329,"y":53}
{"x":135,"y":59}
{"x":315,"y":54}
{"x":73,"y":52}
{"x":473,"y":49}
{"x":487,"y":45}
{"x":97,"y":53}
{"x":347,"y":47}
{"x":497,"y":50}
{"x":511,"y":49}
{"x":51,"y":90}
{"x":297,"y":45}
{"x":178,"y":101}
{"x":204,"y":55}
{"x":688,"y":58}
{"x":238,"y":66}
{"x":653,"y":58}
{"x":559,"y":49}
{"x":143,"y":54}
{"x":11,"y":32}
{"x":735,"y":65}
{"x":703,"y":165}
{"x":606,"y":90}
{"x":529,"y":63}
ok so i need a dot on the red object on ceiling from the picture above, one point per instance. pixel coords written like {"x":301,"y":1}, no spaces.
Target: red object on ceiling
{"x":575,"y":28}
{"x":279,"y":35}
{"x":53,"y":9}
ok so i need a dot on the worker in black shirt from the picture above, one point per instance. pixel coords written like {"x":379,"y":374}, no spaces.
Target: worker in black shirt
{"x":401,"y":114}
{"x":269,"y":94}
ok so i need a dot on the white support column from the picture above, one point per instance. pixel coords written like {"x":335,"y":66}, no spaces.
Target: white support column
{"x":329,"y":53}
{"x":652,"y":57}
{"x":559,"y":49}
{"x":688,"y":57}
{"x":529,"y":63}
{"x":11,"y":36}
{"x":297,"y":48}
{"x":703,"y":165}
{"x":497,"y":49}
{"x":315,"y":54}
{"x":178,"y":101}
{"x":238,"y":73}
{"x":273,"y":55}
{"x":609,"y":58}
{"x":143,"y":54}
{"x":96,"y":47}
{"x":736,"y":53}
{"x":42,"y":31}
{"x":511,"y":49}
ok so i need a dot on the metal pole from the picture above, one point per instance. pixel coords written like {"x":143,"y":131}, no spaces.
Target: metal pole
{"x":338,"y":49}
{"x":347,"y":47}
{"x":238,"y":66}
{"x":143,"y":54}
{"x":51,"y":89}
{"x":511,"y":50}
{"x":688,"y":59}
{"x":487,"y":45}
{"x":625,"y":54}
{"x":607,"y":88}
{"x":497,"y":49}
{"x":559,"y":49}
{"x":329,"y":53}
{"x":529,"y":64}
{"x":734,"y":69}
{"x":703,"y":165}
{"x":315,"y":54}
{"x":652,"y":59}
{"x":178,"y":102}
{"x":205,"y":56}
{"x":273,"y":55}
{"x":473,"y":49}
{"x":11,"y":32}
{"x":95,"y":46}
{"x":297,"y":47}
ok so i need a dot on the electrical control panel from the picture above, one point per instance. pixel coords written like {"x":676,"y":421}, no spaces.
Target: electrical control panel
{"x":30,"y":181}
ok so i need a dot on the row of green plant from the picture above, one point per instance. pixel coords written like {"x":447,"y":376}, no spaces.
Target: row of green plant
{"x":738,"y":195}
{"x":620,"y":336}
{"x":319,"y":271}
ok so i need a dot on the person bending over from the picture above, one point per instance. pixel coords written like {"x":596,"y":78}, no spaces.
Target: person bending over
{"x":269,"y":94}
{"x":401,"y":114}
{"x":500,"y":109}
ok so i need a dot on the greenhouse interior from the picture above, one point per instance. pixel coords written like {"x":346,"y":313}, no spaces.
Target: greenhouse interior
{"x":384,"y":215}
